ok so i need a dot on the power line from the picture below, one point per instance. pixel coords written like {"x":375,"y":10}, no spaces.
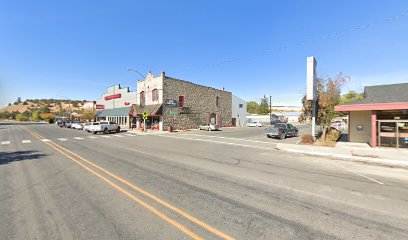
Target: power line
{"x":315,"y":39}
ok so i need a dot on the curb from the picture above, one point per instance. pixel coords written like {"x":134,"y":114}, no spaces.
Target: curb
{"x":381,"y":161}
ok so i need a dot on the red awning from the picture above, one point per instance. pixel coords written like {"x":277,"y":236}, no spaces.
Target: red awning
{"x":371,"y":106}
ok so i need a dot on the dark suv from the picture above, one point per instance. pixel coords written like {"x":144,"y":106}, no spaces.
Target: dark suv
{"x":282,"y":130}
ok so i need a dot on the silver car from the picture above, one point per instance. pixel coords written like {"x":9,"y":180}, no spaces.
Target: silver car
{"x":209,"y":127}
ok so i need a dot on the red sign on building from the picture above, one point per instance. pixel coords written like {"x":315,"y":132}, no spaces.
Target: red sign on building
{"x":99,"y":106}
{"x":127,"y":103}
{"x":113,"y":96}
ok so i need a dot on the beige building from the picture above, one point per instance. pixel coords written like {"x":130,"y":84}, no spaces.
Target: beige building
{"x":381,"y":118}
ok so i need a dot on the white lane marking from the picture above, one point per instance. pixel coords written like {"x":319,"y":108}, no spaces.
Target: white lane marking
{"x":118,"y":135}
{"x":45,"y":140}
{"x":5,"y":142}
{"x":130,"y":135}
{"x":92,"y":137}
{"x":105,"y":136}
{"x":239,"y":139}
{"x":26,"y":141}
{"x":212,"y":141}
{"x":62,"y":139}
{"x":79,"y":138}
{"x":359,"y":174}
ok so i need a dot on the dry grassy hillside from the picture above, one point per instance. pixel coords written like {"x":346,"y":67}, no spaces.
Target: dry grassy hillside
{"x":54,"y":106}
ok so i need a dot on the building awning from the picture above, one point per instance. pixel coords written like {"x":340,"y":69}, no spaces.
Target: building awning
{"x":115,"y":112}
{"x":152,"y":110}
{"x":371,"y":107}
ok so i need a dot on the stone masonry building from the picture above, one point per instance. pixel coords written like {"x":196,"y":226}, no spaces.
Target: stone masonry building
{"x":181,"y":104}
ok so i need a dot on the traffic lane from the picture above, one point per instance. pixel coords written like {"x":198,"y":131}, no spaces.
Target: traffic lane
{"x":191,"y":203}
{"x":295,"y":162}
{"x":50,"y":197}
{"x":176,"y":219}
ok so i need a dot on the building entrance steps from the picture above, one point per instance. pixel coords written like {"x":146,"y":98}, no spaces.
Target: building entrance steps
{"x":360,"y":152}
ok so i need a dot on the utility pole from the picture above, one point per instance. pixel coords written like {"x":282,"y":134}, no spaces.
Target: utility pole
{"x":270,"y":109}
{"x":144,"y":96}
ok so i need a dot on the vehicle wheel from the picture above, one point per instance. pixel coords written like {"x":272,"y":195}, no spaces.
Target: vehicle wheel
{"x":282,"y":136}
{"x":118,"y":129}
{"x":94,"y":132}
{"x":296,"y":134}
{"x":268,"y":136}
{"x":105,"y":131}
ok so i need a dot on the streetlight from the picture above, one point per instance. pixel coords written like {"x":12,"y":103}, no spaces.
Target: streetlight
{"x":144,"y":95}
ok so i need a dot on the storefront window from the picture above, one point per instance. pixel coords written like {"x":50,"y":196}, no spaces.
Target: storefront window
{"x":155,"y":95}
{"x":142,"y":98}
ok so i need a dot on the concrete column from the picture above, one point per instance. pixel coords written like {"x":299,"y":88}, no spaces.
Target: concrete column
{"x":373,"y":129}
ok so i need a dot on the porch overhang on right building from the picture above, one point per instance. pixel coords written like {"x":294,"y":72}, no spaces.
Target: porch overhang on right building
{"x":381,"y":118}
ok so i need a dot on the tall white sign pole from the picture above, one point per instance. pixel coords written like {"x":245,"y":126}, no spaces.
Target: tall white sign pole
{"x":311,"y":89}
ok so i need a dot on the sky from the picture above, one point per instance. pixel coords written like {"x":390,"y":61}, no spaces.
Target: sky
{"x":76,"y":49}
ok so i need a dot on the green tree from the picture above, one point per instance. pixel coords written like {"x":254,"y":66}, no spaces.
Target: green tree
{"x":263,"y":108}
{"x":45,"y":109}
{"x":35,"y":116}
{"x":328,"y":96}
{"x":20,"y":117}
{"x":5,"y":115}
{"x":351,"y":96}
{"x":252,"y":107}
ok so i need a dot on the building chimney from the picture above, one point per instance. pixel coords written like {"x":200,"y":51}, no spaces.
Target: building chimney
{"x":223,"y":89}
{"x":163,"y":73}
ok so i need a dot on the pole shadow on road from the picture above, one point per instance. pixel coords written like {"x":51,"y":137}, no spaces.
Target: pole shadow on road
{"x":8,"y":157}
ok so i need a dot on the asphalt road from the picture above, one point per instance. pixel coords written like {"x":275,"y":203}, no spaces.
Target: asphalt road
{"x":58,"y":183}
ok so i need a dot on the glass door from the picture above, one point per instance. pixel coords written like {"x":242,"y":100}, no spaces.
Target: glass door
{"x":387,"y":134}
{"x":402,"y":134}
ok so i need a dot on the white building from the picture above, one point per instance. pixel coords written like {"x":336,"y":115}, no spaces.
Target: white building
{"x":116,"y":105}
{"x":116,"y":97}
{"x":239,"y":111}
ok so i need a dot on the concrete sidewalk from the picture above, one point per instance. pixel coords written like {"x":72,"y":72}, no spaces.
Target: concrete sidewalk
{"x":360,"y":152}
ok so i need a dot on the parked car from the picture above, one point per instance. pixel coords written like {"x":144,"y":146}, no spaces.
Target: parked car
{"x":60,"y":123}
{"x":88,"y":125}
{"x":105,"y":127}
{"x":74,"y":124}
{"x":254,"y":124}
{"x":78,"y":126}
{"x":282,"y":130}
{"x":209,"y":127}
{"x":338,"y":125}
{"x":68,"y":123}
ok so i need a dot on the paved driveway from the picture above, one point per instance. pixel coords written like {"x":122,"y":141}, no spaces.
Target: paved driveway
{"x":254,"y":133}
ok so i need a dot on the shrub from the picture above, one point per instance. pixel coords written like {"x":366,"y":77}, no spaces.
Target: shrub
{"x":307,"y":139}
{"x":333,"y":135}
{"x":20,"y":117}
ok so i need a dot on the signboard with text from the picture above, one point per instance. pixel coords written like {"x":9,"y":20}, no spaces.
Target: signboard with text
{"x":113,"y":96}
{"x":170,"y":103}
{"x":99,"y":106}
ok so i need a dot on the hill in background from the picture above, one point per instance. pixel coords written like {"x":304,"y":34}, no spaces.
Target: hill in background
{"x":56,"y":106}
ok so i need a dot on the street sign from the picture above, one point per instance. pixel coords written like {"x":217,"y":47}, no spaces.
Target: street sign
{"x":174,"y":113}
{"x":145,"y":114}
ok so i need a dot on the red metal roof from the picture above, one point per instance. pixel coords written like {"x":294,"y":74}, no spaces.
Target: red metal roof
{"x":371,"y":106}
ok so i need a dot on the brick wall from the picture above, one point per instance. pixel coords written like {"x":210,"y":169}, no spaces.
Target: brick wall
{"x":199,"y":103}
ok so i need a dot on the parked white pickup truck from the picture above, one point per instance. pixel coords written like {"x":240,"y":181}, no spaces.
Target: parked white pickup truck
{"x":105,"y":127}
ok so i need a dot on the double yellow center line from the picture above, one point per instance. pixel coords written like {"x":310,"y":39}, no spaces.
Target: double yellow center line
{"x":80,"y":161}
